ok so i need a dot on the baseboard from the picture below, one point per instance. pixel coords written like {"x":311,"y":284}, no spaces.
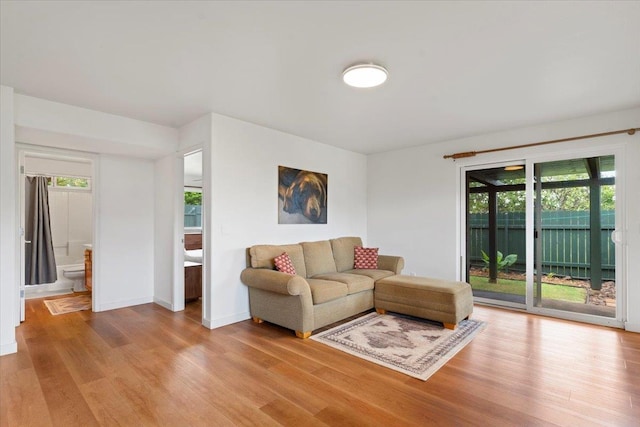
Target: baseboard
{"x":163,"y":303}
{"x":121,"y":304}
{"x":632,"y":327}
{"x":9,"y":348}
{"x":224,"y":321}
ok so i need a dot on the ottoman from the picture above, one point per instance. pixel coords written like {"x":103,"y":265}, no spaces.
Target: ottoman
{"x":433,"y":299}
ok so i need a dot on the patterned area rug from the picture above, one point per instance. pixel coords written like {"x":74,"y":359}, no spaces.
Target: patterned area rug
{"x":413,"y":346}
{"x":68,"y":305}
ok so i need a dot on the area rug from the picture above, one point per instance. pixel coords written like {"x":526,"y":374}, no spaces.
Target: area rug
{"x":68,"y":305}
{"x":413,"y":346}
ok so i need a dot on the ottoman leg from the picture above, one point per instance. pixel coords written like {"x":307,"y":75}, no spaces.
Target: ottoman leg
{"x":381,"y":311}
{"x":451,"y":326}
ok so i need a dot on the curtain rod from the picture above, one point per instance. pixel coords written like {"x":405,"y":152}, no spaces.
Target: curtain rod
{"x":534,"y":144}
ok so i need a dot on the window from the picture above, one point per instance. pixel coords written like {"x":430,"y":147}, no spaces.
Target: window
{"x":193,"y":208}
{"x":69,"y":182}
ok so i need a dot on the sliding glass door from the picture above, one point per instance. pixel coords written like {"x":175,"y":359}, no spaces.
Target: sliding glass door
{"x":575,"y":268}
{"x":538,"y":236}
{"x":495,"y":254}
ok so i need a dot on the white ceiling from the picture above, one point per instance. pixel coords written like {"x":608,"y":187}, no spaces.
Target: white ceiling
{"x":456,"y":68}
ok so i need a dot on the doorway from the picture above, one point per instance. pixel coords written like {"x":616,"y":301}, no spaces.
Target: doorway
{"x":539,"y":236}
{"x":67,"y":202}
{"x":495,"y":218}
{"x":193,"y":236}
{"x":574,"y":215}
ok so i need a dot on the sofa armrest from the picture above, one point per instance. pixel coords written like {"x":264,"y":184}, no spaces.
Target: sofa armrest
{"x":391,"y":263}
{"x":275,"y":281}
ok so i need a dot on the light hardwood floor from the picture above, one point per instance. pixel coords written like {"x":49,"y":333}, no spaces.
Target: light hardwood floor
{"x":145,"y":365}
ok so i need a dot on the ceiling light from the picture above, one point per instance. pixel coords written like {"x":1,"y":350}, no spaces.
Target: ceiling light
{"x":365,"y":75}
{"x":514,"y":168}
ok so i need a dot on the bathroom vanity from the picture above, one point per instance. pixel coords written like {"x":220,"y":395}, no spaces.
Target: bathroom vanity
{"x":192,"y":281}
{"x":193,"y":267}
{"x":87,"y":268}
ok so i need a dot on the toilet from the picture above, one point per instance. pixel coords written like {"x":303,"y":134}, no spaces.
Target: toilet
{"x":76,"y":275}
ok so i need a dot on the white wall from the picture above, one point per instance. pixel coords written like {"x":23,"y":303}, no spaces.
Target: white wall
{"x":123,"y":254}
{"x":71,"y":216}
{"x":8,"y":229}
{"x":244,"y":162}
{"x":169,"y":226}
{"x":123,"y":258}
{"x":53,"y":124}
{"x":413,"y":194}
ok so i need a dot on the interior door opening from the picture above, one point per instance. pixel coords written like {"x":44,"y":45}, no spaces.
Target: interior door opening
{"x":193,"y":258}
{"x":57,"y":221}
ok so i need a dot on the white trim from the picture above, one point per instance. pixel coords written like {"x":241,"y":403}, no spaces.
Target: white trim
{"x":179,"y":231}
{"x":29,"y":150}
{"x":123,"y":303}
{"x":9,"y":348}
{"x":163,"y":303}
{"x":632,"y":327}
{"x":228,"y":320}
{"x":20,"y":243}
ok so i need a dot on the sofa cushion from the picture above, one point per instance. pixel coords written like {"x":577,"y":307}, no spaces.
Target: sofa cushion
{"x":355,"y":283}
{"x":326,"y":290}
{"x":343,"y":251}
{"x":262,"y":256}
{"x":318,"y":258}
{"x":365,"y":258}
{"x":374,"y":274}
{"x":283,"y":264}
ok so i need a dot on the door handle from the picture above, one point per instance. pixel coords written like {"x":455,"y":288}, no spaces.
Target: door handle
{"x":616,"y":237}
{"x":27,"y":241}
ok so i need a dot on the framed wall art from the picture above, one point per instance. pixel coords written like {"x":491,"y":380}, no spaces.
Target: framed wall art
{"x":302,"y":196}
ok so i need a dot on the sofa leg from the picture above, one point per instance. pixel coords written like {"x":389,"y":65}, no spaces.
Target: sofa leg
{"x":257,"y":319}
{"x":303,"y":335}
{"x":381,"y":311}
{"x":451,"y":326}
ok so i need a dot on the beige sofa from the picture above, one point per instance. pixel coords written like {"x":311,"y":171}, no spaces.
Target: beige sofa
{"x":325,"y":289}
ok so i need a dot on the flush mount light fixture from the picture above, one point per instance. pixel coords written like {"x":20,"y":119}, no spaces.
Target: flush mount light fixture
{"x":514,"y":167}
{"x":365,"y":75}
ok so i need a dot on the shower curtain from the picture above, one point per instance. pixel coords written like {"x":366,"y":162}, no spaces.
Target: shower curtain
{"x":40,"y":262}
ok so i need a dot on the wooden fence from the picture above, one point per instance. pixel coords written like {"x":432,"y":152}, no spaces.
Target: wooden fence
{"x":192,"y":215}
{"x":565,"y":236}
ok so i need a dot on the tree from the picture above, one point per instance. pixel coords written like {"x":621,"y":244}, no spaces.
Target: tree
{"x":557,"y":199}
{"x":192,"y":198}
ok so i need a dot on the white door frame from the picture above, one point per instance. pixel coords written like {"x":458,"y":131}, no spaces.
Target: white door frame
{"x":463,"y":227}
{"x":621,"y":283}
{"x":23,"y":150}
{"x":178,"y":288}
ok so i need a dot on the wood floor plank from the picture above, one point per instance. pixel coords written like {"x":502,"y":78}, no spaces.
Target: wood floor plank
{"x":64,"y":399}
{"x":78,"y":360}
{"x":288,"y":414}
{"x":22,"y":400}
{"x":147,"y":366}
{"x":107,"y":331}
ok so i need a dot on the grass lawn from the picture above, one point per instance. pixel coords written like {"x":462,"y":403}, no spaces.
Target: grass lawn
{"x":550,"y":291}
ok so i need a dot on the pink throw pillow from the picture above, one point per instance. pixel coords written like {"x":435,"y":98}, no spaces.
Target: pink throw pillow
{"x":283,"y":263}
{"x":365,"y":258}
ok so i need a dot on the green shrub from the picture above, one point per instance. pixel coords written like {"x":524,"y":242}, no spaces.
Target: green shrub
{"x":503,"y":263}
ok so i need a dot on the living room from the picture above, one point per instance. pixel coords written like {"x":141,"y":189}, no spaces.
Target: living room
{"x":403,"y":200}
